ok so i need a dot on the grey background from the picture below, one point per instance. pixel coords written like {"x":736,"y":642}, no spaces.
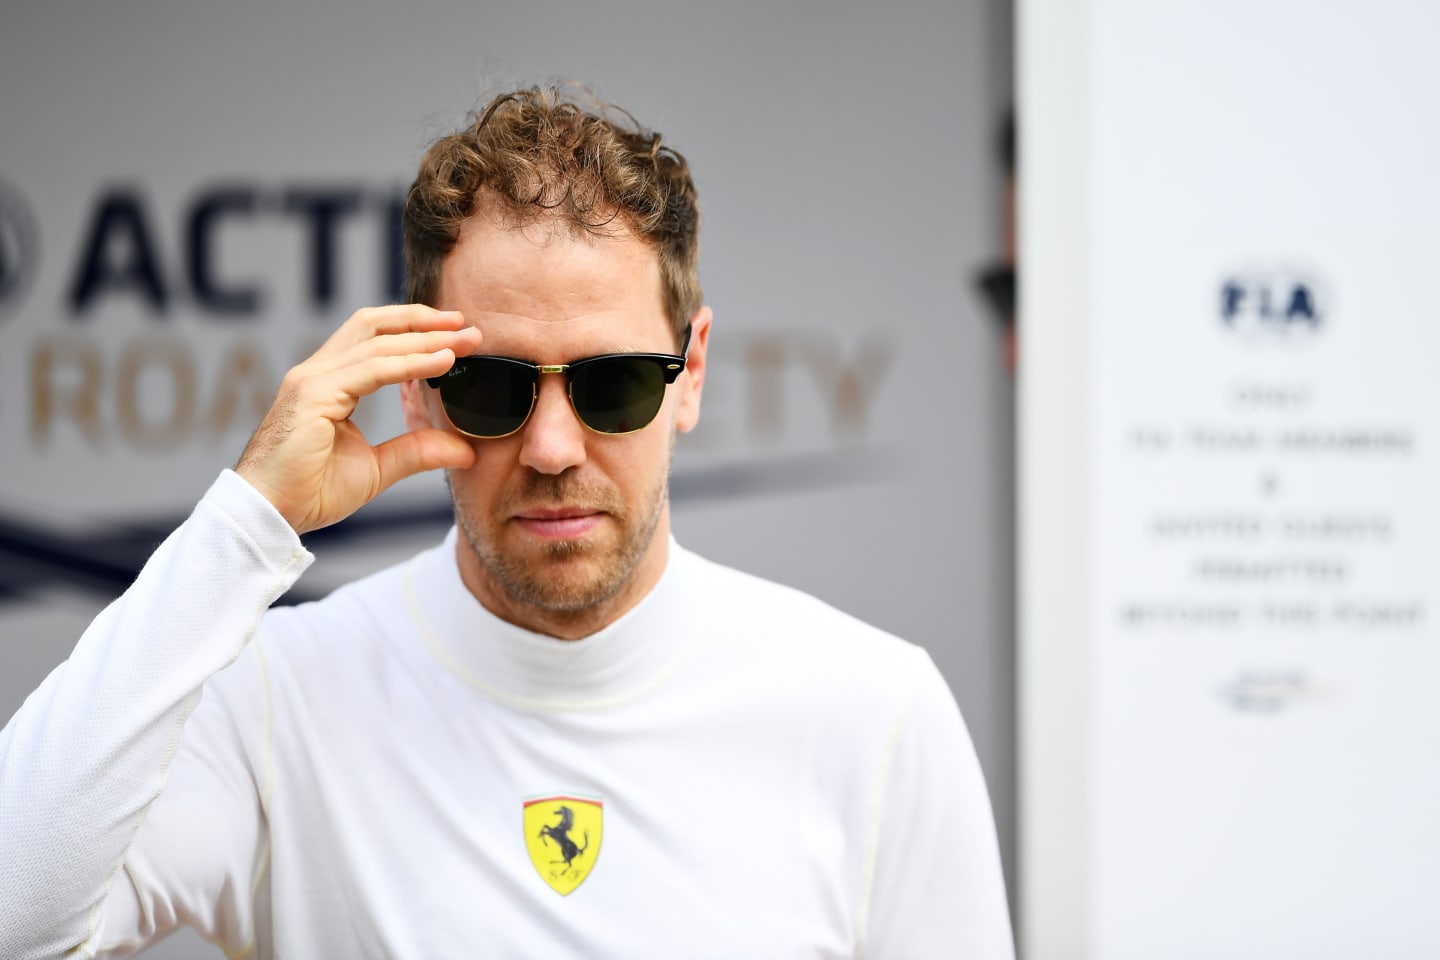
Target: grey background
{"x":844,"y":155}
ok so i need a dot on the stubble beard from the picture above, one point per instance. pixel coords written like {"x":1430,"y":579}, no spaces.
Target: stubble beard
{"x":556,"y":580}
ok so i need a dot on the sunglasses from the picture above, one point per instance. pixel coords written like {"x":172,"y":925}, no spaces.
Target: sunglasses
{"x":492,"y":397}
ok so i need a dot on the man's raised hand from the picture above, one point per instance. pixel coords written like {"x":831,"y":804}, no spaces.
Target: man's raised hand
{"x":309,"y":460}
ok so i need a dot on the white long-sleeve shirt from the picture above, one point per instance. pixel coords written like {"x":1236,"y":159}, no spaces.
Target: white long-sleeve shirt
{"x":752,"y":773}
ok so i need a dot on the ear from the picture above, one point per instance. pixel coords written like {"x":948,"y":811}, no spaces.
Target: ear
{"x":415,"y":403}
{"x":692,"y":381}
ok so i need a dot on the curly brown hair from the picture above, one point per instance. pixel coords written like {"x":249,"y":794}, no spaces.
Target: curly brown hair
{"x":548,"y":152}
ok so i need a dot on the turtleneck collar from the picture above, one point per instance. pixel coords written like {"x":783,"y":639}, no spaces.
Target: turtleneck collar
{"x":528,"y":670}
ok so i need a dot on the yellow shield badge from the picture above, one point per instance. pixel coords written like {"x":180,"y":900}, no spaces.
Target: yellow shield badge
{"x":563,"y":836}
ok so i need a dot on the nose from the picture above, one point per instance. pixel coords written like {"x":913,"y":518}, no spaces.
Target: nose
{"x":553,"y":439}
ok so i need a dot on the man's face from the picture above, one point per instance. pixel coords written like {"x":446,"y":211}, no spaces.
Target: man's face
{"x":562,"y":529}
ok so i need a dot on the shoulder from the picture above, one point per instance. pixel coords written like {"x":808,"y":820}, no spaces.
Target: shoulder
{"x":355,"y":624}
{"x":789,"y":616}
{"x":778,"y":631}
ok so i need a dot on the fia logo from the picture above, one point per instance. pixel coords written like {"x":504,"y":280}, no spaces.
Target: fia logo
{"x":1279,"y":303}
{"x":19,"y":248}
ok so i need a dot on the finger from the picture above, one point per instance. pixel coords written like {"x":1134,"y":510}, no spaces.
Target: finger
{"x":460,"y":342}
{"x":407,"y":316}
{"x":384,"y":371}
{"x":370,"y":322}
{"x":333,"y":394}
{"x":421,"y":450}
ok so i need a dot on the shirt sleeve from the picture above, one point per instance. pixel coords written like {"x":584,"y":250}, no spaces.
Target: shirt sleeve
{"x":937,"y":888}
{"x":88,"y":757}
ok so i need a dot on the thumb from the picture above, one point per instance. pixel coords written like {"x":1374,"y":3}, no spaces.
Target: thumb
{"x":418,"y":451}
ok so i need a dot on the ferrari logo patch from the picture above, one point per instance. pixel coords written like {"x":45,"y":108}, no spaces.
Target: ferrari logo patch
{"x":563,"y":836}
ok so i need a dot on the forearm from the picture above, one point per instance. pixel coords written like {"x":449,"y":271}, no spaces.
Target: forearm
{"x":87,"y":754}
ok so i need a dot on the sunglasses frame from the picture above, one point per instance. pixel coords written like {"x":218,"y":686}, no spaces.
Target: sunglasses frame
{"x":671,"y":366}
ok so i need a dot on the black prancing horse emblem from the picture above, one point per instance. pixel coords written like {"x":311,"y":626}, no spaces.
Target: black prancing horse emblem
{"x":560,"y":833}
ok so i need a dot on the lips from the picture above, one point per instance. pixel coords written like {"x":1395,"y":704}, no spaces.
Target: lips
{"x":565,"y":523}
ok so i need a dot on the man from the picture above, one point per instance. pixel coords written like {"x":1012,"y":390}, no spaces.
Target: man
{"x":557,"y":734}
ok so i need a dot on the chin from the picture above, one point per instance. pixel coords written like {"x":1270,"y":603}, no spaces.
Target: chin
{"x":569,"y":583}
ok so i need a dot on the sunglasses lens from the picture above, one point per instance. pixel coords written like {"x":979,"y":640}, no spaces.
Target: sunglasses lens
{"x":488,"y":396}
{"x":617,"y":394}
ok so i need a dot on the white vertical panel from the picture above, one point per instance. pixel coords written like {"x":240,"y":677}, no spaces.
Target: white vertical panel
{"x":1255,"y":416}
{"x":1055,"y":538}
